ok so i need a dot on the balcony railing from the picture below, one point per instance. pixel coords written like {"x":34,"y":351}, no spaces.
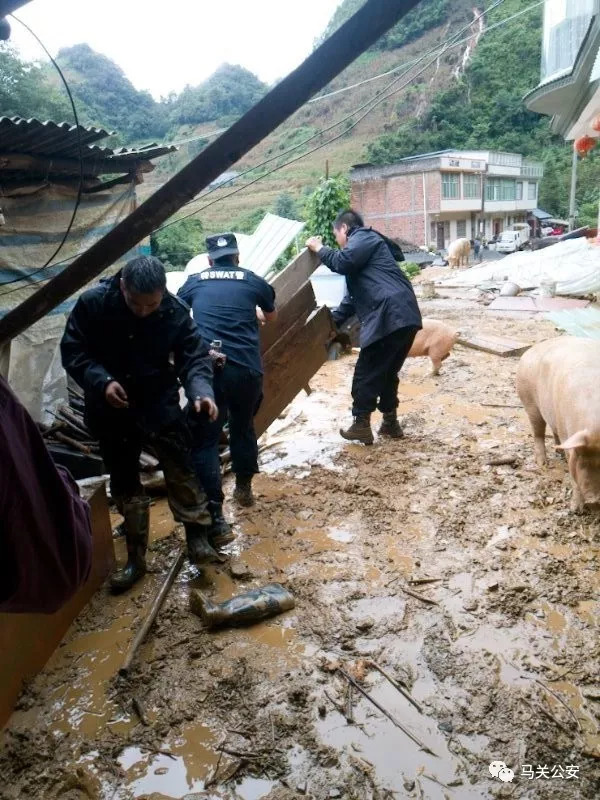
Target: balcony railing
{"x":532,"y":170}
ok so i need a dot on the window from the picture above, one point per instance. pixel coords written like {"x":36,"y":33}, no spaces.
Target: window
{"x":461,"y":228}
{"x":498,"y":189}
{"x":565,"y":28}
{"x":450,"y":186}
{"x":471,"y":187}
{"x":519,"y":190}
{"x":531,"y":191}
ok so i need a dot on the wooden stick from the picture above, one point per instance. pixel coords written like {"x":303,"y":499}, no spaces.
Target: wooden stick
{"x":420,"y":581}
{"x":396,"y":685}
{"x":500,"y":405}
{"x":61,"y":437}
{"x":420,"y":597}
{"x":386,"y":713}
{"x":153,"y":611}
{"x":349,"y":713}
{"x":560,"y":700}
{"x":502,"y":461}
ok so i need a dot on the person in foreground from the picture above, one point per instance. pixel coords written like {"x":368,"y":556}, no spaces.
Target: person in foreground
{"x":382,"y":298}
{"x":224,"y":300}
{"x":118,"y":345}
{"x":45,"y":528}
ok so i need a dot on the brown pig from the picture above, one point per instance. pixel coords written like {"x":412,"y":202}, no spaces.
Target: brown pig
{"x":558,"y":382}
{"x":435,"y":340}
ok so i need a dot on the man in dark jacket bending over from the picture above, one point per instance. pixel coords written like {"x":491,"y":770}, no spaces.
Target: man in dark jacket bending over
{"x":382,"y":298}
{"x":118,"y":345}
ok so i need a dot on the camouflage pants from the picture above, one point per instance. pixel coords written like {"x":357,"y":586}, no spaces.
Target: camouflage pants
{"x":121,"y":446}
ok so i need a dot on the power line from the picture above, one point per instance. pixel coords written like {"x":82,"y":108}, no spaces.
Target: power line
{"x":371,"y":103}
{"x":330,"y":127}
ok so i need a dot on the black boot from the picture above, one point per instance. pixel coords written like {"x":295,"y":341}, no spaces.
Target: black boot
{"x":242,"y":494}
{"x":197,"y":537}
{"x":221,"y":533}
{"x":137,"y":523}
{"x":390,"y":426}
{"x":360,"y":430}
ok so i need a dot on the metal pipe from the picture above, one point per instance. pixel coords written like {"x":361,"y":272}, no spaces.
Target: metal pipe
{"x":572,"y":211}
{"x":327,"y":61}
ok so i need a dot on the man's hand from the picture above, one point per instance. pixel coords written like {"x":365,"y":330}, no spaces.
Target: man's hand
{"x":260,"y":316}
{"x":115,"y":395}
{"x":206,"y":404}
{"x":315,"y":243}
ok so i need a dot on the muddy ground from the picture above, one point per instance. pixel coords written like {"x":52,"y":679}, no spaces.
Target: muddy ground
{"x":503,"y":659}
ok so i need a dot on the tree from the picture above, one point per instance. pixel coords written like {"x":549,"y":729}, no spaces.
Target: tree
{"x":285,"y":206}
{"x":179,"y":243}
{"x":330,"y":197}
{"x":25,"y":92}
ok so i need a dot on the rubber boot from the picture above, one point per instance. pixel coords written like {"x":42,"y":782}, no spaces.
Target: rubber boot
{"x":137,"y":522}
{"x":221,"y":533}
{"x":390,"y":426}
{"x":199,"y":547}
{"x":242,"y":494}
{"x":360,"y":430}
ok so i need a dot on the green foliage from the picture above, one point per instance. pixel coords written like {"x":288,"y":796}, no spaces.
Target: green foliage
{"x":410,"y":269}
{"x":108,"y":97}
{"x":323,"y":205}
{"x":428,"y":14}
{"x":25,"y":91}
{"x":249,"y":222}
{"x":179,"y":243}
{"x":230,"y":91}
{"x":285,"y":206}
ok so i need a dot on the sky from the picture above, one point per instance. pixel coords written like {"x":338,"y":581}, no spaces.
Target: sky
{"x":162,"y":51}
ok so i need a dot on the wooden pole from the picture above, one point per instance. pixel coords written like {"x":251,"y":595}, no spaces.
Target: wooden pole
{"x":153,"y":611}
{"x":327,"y":61}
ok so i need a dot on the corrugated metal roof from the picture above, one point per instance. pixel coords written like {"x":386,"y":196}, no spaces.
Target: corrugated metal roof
{"x":269,"y":241}
{"x":583,"y":322}
{"x":60,"y":140}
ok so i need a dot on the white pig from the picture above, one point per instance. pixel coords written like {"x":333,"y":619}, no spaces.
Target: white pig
{"x":435,"y":340}
{"x":558,"y":382}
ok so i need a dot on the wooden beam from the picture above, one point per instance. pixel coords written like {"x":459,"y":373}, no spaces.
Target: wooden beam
{"x":496,"y":345}
{"x":8,"y":6}
{"x":301,"y":305}
{"x":357,"y":34}
{"x":297,"y":272}
{"x":291,"y":363}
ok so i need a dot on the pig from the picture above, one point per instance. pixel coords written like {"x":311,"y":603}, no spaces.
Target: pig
{"x":557,"y":381}
{"x":458,"y":253}
{"x":435,"y":340}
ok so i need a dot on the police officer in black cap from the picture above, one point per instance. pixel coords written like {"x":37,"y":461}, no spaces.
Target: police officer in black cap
{"x":225,"y":299}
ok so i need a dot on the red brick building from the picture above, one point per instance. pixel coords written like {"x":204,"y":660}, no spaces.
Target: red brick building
{"x":435,"y":198}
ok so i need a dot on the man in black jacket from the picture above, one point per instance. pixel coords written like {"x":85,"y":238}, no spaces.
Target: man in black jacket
{"x":128,"y":343}
{"x":382,"y":298}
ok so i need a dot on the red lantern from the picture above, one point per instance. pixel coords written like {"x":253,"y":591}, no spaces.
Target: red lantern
{"x":584,"y":144}
{"x":596,"y":124}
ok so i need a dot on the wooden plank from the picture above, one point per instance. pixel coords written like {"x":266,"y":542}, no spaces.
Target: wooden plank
{"x":28,"y":640}
{"x":497,"y":345}
{"x":291,"y":363}
{"x":301,"y":305}
{"x":18,"y":162}
{"x":289,"y":281}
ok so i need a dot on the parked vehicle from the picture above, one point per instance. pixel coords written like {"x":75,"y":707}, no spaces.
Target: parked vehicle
{"x":515,"y":238}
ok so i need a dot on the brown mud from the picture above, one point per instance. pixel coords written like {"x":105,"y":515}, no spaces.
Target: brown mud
{"x":505,"y":664}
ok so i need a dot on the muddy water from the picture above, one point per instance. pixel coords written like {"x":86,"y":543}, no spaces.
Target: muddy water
{"x":348,"y":529}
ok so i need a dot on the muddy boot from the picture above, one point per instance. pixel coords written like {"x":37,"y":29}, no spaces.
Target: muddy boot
{"x":390,"y":426}
{"x":221,"y":533}
{"x":199,"y":548}
{"x":360,"y":430}
{"x":242,"y":494}
{"x":137,"y":522}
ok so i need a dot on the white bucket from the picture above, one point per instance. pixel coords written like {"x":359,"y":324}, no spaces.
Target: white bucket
{"x":547,"y":288}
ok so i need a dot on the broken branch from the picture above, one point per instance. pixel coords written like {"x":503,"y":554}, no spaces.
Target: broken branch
{"x":396,"y":685}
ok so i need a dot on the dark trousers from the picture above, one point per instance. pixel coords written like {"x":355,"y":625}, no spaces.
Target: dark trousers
{"x":375,"y":382}
{"x":238,"y":395}
{"x":121,"y":442}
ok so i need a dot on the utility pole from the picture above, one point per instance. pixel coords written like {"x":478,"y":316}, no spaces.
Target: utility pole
{"x":364,"y":28}
{"x":572,"y":211}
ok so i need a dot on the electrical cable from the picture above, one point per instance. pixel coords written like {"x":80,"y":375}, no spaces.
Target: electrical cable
{"x":373,"y":103}
{"x":442,"y":48}
{"x":80,"y":151}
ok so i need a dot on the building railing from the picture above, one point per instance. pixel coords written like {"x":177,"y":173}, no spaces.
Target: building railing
{"x":505,"y":159}
{"x":532,"y":170}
